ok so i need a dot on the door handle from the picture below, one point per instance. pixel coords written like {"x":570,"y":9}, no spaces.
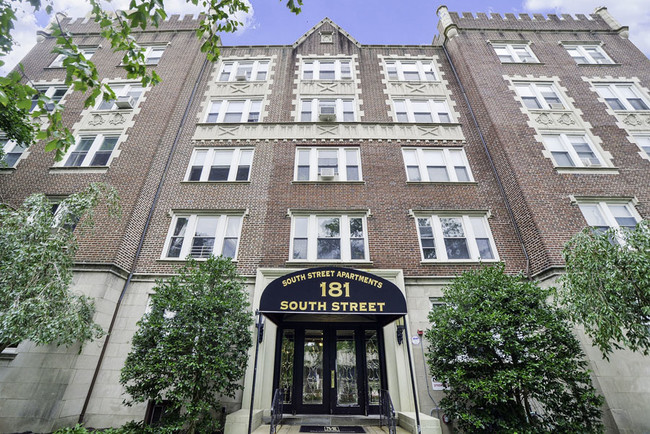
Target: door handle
{"x":332,"y":377}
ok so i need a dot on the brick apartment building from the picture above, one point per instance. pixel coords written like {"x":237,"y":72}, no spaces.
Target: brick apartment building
{"x":499,"y":141}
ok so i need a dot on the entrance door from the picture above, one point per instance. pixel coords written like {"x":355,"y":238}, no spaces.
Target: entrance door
{"x":333,"y":370}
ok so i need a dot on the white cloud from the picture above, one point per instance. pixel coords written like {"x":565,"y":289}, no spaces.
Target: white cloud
{"x":632,"y":13}
{"x":26,"y":25}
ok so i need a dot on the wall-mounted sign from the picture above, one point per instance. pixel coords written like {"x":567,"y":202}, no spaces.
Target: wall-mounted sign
{"x":333,"y":290}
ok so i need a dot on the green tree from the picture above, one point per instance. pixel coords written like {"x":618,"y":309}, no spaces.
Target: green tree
{"x":16,"y":90}
{"x":192,"y":347}
{"x":508,"y":358}
{"x":606,"y":287}
{"x":37,"y":249}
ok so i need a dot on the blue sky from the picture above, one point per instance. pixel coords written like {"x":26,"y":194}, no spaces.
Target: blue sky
{"x":368,"y":21}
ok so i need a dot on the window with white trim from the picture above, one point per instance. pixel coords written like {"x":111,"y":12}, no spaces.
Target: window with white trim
{"x":329,"y":238}
{"x":643,"y":142}
{"x":327,"y":69}
{"x":605,"y":215}
{"x":55,"y":93}
{"x":540,"y":96}
{"x":455,"y":238}
{"x":588,"y":54}
{"x":327,"y":164}
{"x":622,"y":96}
{"x":515,"y":53}
{"x":202,"y":235}
{"x":91,"y":150}
{"x":572,"y":150}
{"x":411,"y":70}
{"x":234,"y":111}
{"x":86,"y":51}
{"x":131,"y":90}
{"x":422,"y":111}
{"x":339,"y":110}
{"x":152,"y":54}
{"x":12,"y":153}
{"x":244,"y":70}
{"x":436,"y":165}
{"x":220,"y":164}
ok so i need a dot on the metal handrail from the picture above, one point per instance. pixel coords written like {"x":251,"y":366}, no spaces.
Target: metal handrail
{"x":387,"y":412}
{"x":277,"y":408}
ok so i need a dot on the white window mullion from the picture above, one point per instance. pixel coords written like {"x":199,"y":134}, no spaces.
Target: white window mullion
{"x":99,"y":139}
{"x":607,"y":213}
{"x":312,"y":242}
{"x":471,"y":238}
{"x":572,"y":152}
{"x":409,"y":110}
{"x":345,"y":238}
{"x":234,"y":161}
{"x":341,"y":162}
{"x":220,"y":231}
{"x":189,"y":236}
{"x":422,"y":167}
{"x":441,"y":249}
{"x":446,"y":160}
{"x":313,"y":164}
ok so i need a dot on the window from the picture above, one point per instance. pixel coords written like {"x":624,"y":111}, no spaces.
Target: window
{"x":327,"y":69}
{"x":422,"y":111}
{"x":335,"y":164}
{"x":95,"y":150}
{"x":411,"y":70}
{"x":540,"y":96}
{"x":436,"y":165}
{"x":122,"y":91}
{"x":644,"y":143}
{"x":451,"y":238}
{"x":588,"y":54}
{"x":152,"y":55}
{"x":622,"y":96}
{"x":86,"y":51}
{"x":329,"y":238}
{"x":340,"y":110}
{"x":603,"y":215}
{"x":218,"y":164}
{"x":12,"y":152}
{"x":55,"y":93}
{"x":200,"y":236}
{"x":244,"y":70}
{"x":515,"y":53}
{"x":234,"y":111}
{"x":571,"y":150}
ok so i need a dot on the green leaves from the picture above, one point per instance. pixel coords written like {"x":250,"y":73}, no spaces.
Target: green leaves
{"x":606,"y":288}
{"x":509,"y":359}
{"x":193,"y":345}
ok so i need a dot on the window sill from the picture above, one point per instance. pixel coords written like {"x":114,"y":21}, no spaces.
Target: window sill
{"x":588,"y":170}
{"x":7,"y":170}
{"x":80,"y":169}
{"x":414,"y":81}
{"x":442,"y":182}
{"x":177,"y":260}
{"x":302,"y":262}
{"x":522,"y":63}
{"x":342,"y":80}
{"x":329,"y":182}
{"x":599,"y":64}
{"x":457,"y":261}
{"x":215,"y":182}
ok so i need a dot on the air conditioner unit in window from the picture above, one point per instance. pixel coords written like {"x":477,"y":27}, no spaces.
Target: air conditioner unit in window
{"x":125,"y":102}
{"x":327,"y":113}
{"x":588,"y":163}
{"x":241,"y":77}
{"x":557,"y":106}
{"x":327,"y":173}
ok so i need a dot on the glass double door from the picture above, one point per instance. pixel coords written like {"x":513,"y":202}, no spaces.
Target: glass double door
{"x":335,"y":370}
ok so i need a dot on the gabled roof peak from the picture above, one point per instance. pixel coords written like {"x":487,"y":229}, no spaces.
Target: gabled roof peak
{"x":326,"y":20}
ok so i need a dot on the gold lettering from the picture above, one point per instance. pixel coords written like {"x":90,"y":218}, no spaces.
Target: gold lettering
{"x":322,"y":305}
{"x":293,"y":305}
{"x":335,"y":306}
{"x":302,"y":305}
{"x":311,"y":305}
{"x":379,"y":284}
{"x":372,"y":307}
{"x":309,"y":275}
{"x":353,"y":306}
{"x":344,"y":305}
{"x":363,"y":307}
{"x":381,"y":306}
{"x":284,"y":305}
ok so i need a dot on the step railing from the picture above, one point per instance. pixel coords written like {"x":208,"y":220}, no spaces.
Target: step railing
{"x":387,"y":412}
{"x":277,"y":409}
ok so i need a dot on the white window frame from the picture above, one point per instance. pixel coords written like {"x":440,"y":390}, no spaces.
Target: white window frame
{"x":190,"y":232}
{"x":88,"y":52}
{"x":643,"y":142}
{"x":342,"y":163}
{"x":8,"y":146}
{"x":582,"y":53}
{"x":534,"y":90}
{"x":98,"y":141}
{"x":344,"y":236}
{"x":616,"y":90}
{"x":49,"y":92}
{"x":603,"y":208}
{"x":470,"y":236}
{"x":568,"y":148}
{"x":151,"y":49}
{"x":316,"y":69}
{"x":421,"y":67}
{"x":258,"y":66}
{"x":221,"y":113}
{"x":446,"y":162}
{"x":235,"y":163}
{"x":434,"y":106}
{"x":511,"y":48}
{"x":123,"y":89}
{"x":314,"y":104}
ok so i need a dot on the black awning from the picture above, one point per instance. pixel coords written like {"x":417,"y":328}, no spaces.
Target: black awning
{"x":333,"y":290}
